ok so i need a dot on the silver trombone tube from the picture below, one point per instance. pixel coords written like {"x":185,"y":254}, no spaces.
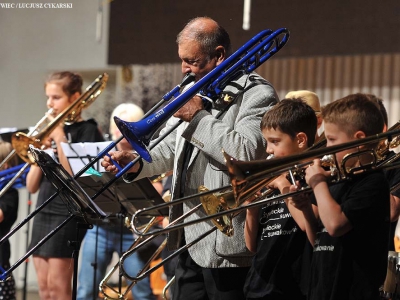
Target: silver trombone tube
{"x":234,"y":212}
{"x":166,"y":287}
{"x":145,"y":211}
{"x":147,"y":272}
{"x":139,"y":242}
{"x":141,"y":274}
{"x":104,"y":282}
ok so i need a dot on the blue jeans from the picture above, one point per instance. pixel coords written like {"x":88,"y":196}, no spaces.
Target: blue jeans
{"x":107,"y":243}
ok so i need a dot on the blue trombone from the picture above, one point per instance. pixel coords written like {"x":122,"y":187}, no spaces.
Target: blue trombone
{"x":18,"y":172}
{"x":245,"y":60}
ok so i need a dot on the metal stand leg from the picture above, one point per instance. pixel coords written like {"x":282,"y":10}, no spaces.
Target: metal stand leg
{"x":24,"y":290}
{"x":75,"y":255}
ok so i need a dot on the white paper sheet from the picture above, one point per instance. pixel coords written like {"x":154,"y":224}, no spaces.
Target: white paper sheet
{"x":80,"y":154}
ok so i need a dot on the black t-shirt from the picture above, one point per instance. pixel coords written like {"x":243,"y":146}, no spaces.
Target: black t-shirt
{"x":353,"y":266}
{"x":85,"y":131}
{"x":9,"y":206}
{"x":276,"y":267}
{"x":393,"y":176}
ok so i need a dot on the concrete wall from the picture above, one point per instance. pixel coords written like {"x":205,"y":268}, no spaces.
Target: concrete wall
{"x":35,"y":42}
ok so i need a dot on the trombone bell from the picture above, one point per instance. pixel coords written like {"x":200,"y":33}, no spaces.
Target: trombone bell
{"x":212,"y":204}
{"x":20,"y":141}
{"x":132,"y":132}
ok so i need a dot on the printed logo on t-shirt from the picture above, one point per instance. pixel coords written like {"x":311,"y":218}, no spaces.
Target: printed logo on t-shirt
{"x":317,"y":246}
{"x":274,"y":220}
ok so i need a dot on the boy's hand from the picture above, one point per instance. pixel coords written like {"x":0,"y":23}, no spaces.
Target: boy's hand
{"x":315,"y":174}
{"x":280,"y":183}
{"x":300,"y":201}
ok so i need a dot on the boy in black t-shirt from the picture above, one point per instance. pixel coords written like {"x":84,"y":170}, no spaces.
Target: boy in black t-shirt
{"x":270,"y":231}
{"x":392,"y":175}
{"x":351,"y":246}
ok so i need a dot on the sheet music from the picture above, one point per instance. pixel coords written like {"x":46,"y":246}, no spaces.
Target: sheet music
{"x":132,"y":196}
{"x":80,"y":154}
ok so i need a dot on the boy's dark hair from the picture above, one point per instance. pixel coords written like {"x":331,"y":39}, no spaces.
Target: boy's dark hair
{"x":381,"y":107}
{"x":353,"y":113}
{"x":292,"y":116}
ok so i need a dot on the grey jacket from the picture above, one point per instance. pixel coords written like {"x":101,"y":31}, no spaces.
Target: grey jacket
{"x":237,"y":132}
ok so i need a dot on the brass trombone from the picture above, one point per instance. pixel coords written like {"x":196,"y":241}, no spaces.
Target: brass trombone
{"x":216,"y":201}
{"x":21,"y":141}
{"x":245,"y":174}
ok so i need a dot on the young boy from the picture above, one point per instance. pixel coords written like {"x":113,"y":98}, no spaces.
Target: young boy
{"x":270,"y":231}
{"x":393,"y":177}
{"x":351,"y":246}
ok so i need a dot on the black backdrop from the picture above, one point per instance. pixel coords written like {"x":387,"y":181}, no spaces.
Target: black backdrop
{"x":144,"y":31}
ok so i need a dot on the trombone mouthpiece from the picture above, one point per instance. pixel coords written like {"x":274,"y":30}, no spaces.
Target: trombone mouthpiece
{"x":189,"y":77}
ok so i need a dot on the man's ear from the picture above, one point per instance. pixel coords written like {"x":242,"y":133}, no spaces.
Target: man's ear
{"x":302,"y":140}
{"x":220,"y":54}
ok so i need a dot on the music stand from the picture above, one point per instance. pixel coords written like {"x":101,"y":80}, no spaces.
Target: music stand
{"x":111,"y":204}
{"x":121,"y":197}
{"x":119,"y":201}
{"x":74,"y":197}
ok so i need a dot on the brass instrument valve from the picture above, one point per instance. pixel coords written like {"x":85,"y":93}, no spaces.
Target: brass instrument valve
{"x":328,"y":162}
{"x":297,"y":174}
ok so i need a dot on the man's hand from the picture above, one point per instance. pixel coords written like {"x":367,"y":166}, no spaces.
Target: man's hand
{"x":187,"y":112}
{"x":122,"y":158}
